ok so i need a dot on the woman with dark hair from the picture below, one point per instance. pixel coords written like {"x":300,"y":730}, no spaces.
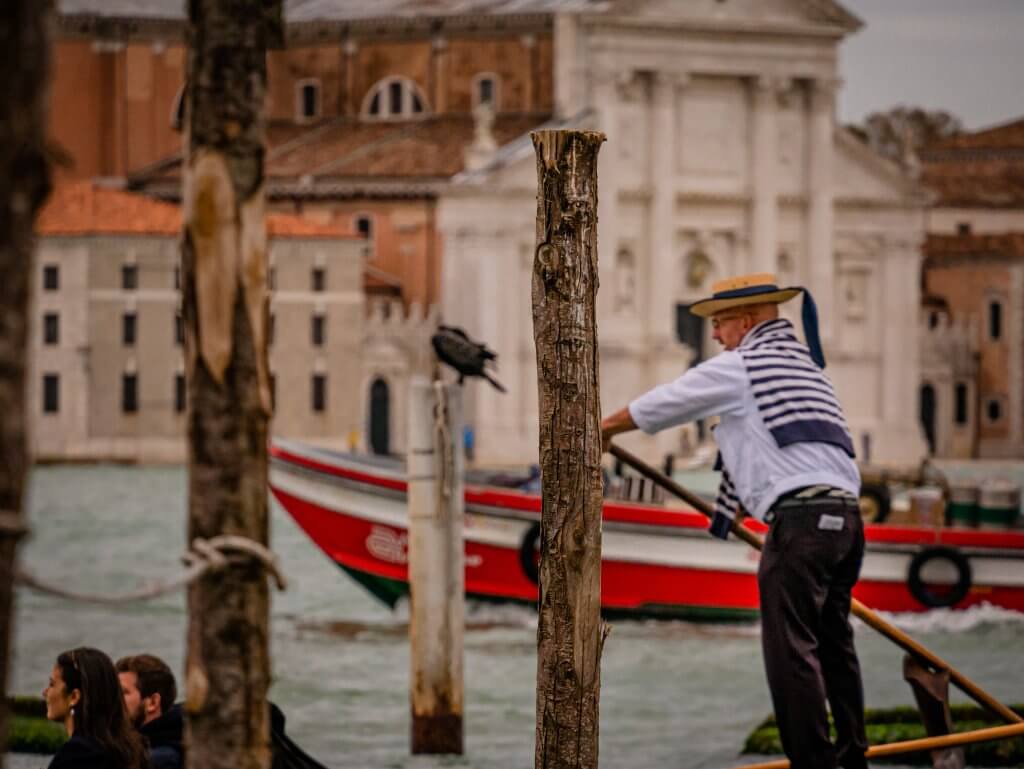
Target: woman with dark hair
{"x":85,"y":695}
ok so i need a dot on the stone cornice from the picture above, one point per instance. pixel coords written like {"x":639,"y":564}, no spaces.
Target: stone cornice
{"x":144,"y":28}
{"x":323,"y":189}
{"x":736,"y":27}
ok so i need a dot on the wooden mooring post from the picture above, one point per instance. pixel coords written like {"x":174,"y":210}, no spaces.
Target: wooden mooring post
{"x":570,"y":633}
{"x":225,"y":311}
{"x":436,"y":566}
{"x":25,"y":41}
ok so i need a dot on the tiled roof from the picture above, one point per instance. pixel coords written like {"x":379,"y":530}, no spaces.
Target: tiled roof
{"x":84,"y":208}
{"x":336,"y":10}
{"x":980,"y":169}
{"x":346,"y":149}
{"x":1002,"y":244}
{"x":1005,"y":136}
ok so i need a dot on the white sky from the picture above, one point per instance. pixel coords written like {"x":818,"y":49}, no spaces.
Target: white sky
{"x":964,"y":56}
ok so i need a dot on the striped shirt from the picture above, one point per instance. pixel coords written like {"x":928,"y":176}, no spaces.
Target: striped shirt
{"x":760,"y":466}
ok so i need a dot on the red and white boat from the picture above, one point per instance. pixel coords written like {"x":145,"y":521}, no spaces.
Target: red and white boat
{"x":657,"y":561}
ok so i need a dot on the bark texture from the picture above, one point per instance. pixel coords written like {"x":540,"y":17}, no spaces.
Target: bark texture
{"x":224,"y":305}
{"x":570,"y":634}
{"x":24,"y":184}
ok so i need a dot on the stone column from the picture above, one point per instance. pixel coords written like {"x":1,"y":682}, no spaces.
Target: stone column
{"x":439,"y":75}
{"x":820,"y":262}
{"x":764,"y":184}
{"x":351,"y":50}
{"x":899,"y":438}
{"x":606,"y":98}
{"x":661,"y":271}
{"x":662,"y":179}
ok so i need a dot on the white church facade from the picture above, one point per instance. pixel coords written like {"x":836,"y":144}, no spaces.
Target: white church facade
{"x":723,"y":156}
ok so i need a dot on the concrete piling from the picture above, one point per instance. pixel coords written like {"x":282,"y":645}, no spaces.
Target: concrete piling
{"x":436,"y":566}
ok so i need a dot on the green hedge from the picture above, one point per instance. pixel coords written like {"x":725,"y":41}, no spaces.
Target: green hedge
{"x":901,"y":724}
{"x":35,"y":735}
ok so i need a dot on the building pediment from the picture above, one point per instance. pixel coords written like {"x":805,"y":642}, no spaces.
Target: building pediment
{"x":742,"y":13}
{"x":863,"y":175}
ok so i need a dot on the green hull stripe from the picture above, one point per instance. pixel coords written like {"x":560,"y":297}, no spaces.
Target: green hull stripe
{"x":388,"y":591}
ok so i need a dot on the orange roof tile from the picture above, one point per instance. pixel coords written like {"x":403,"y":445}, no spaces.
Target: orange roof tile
{"x":430,"y":148}
{"x":1005,"y":136}
{"x":981,"y":169}
{"x":84,"y":208}
{"x":1002,"y":244}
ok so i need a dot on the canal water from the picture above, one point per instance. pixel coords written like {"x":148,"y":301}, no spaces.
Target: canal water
{"x":674,"y":695}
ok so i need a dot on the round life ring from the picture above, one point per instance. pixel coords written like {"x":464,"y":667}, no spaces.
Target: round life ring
{"x":528,"y":553}
{"x":925,"y":594}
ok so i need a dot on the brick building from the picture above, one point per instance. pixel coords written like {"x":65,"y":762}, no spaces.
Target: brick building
{"x":408,"y":122}
{"x":974,"y":290}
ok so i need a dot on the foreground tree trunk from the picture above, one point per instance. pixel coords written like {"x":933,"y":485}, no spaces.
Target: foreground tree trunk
{"x":224,"y":305}
{"x":570,"y":634}
{"x":24,"y":185}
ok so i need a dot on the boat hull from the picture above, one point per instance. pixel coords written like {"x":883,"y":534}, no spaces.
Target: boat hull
{"x":656,"y":561}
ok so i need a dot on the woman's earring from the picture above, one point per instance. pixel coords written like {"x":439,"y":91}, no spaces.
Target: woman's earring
{"x":72,"y":711}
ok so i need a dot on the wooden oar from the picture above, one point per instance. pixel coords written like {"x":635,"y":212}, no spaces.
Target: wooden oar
{"x":925,"y":743}
{"x":868,"y":616}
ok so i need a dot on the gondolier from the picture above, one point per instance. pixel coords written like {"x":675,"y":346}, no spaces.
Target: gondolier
{"x":787,"y":459}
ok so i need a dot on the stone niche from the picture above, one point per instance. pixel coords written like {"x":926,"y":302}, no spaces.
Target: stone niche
{"x":714,"y":129}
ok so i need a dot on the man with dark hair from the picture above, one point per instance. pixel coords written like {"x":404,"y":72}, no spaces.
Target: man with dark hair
{"x":149,"y":692}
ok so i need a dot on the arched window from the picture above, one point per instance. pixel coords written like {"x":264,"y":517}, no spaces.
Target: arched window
{"x":380,"y":417}
{"x":178,"y":110}
{"x":485,"y":90}
{"x":394,"y":98}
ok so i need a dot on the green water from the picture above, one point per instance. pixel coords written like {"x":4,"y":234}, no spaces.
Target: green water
{"x":674,"y":695}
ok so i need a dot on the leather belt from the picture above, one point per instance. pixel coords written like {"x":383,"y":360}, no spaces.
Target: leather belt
{"x":811,"y":497}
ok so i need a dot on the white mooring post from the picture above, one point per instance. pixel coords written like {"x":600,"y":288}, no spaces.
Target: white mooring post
{"x":436,"y":566}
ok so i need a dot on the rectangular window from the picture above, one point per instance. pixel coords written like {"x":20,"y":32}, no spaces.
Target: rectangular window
{"x":364,"y":225}
{"x":319,"y":278}
{"x":51,"y":328}
{"x":129,"y":325}
{"x":179,"y":393}
{"x":395,"y":97}
{"x":318,"y":330}
{"x":51,"y":393}
{"x":271,"y":279}
{"x":960,"y":403}
{"x":319,"y":392}
{"x":310,"y":94}
{"x":179,"y":330}
{"x":690,"y":331}
{"x":129,"y":393}
{"x":51,"y":277}
{"x":129,"y":277}
{"x":995,"y":320}
{"x":486,"y":95}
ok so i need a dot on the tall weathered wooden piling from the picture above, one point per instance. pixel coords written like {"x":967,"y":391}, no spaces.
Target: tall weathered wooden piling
{"x":225,"y":309}
{"x":436,"y":566}
{"x":570,"y":634}
{"x":24,"y":185}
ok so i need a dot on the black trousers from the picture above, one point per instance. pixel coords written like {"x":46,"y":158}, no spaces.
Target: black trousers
{"x":808,"y":567}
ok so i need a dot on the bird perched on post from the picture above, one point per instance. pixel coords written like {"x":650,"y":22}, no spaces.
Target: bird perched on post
{"x":467,"y":357}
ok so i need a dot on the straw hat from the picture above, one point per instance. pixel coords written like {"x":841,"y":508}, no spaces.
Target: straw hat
{"x":756,"y":288}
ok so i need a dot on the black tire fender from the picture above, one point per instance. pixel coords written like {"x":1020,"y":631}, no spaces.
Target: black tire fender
{"x":528,"y":553}
{"x":921,"y":591}
{"x":875,"y":496}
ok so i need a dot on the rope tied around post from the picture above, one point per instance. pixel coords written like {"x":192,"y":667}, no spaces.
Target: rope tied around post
{"x":205,"y":555}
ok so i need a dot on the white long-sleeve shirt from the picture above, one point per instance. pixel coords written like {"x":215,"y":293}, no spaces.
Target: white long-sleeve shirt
{"x":760,"y":471}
